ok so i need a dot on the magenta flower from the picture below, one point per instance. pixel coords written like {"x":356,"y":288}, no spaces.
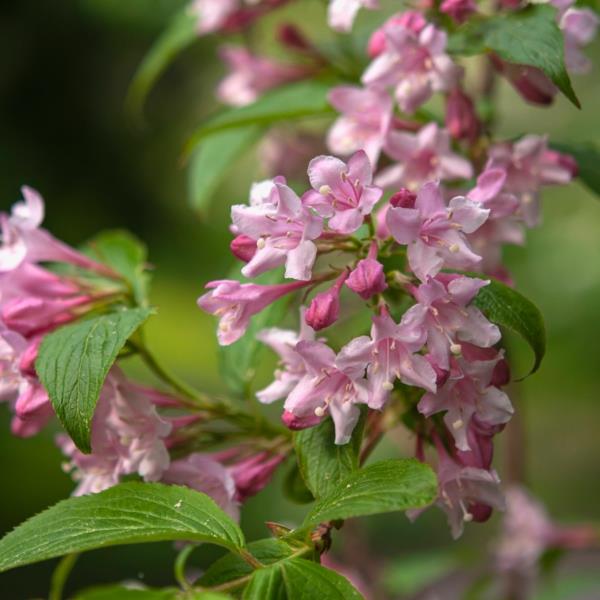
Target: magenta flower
{"x":283,"y":229}
{"x":421,"y":157}
{"x":324,"y":310}
{"x":252,"y":473}
{"x":414,"y":63}
{"x":342,"y":191}
{"x":364,"y":123}
{"x":253,"y":75}
{"x":203,"y":473}
{"x":127,"y":437}
{"x":434,"y":232}
{"x":234,"y":303}
{"x":531,"y":83}
{"x":368,"y":278}
{"x":341,"y":13}
{"x":461,"y":117}
{"x":332,"y":384}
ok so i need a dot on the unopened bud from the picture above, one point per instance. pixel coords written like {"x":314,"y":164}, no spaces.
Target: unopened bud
{"x":244,"y":247}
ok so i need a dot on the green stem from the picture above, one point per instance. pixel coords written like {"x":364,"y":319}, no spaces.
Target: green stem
{"x":60,"y":576}
{"x":179,"y":566}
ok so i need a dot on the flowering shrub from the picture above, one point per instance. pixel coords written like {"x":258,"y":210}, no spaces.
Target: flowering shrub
{"x":382,"y":236}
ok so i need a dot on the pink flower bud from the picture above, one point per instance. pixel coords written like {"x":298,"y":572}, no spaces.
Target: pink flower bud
{"x":243,"y":248}
{"x":368,"y":278}
{"x":459,"y":10}
{"x":291,"y":37}
{"x":411,"y":20}
{"x":27,"y":360}
{"x":461,"y":118}
{"x":530,"y":82}
{"x":296,"y":423}
{"x":404,"y":198}
{"x":566,"y":161}
{"x":252,"y":474}
{"x":324,"y":309}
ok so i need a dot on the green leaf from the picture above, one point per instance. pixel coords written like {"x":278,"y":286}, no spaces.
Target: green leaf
{"x":299,"y":579}
{"x":118,"y":592}
{"x":73,"y":363}
{"x":180,"y":33}
{"x":384,"y":486}
{"x":213,"y":159}
{"x":294,"y":101}
{"x":508,"y":308}
{"x":587,"y":156}
{"x":294,"y":486}
{"x":126,"y":255}
{"x":232,"y":566}
{"x":324,"y":464}
{"x":526,"y":37}
{"x":128,"y":513}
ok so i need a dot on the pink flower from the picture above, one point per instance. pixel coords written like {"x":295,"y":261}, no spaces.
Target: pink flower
{"x":434,"y":232}
{"x":252,"y":473}
{"x":529,"y":165}
{"x":365,"y":121}
{"x":332,"y":384}
{"x":531,"y":83}
{"x":469,"y":392}
{"x":413,"y":63}
{"x":213,"y":14}
{"x":127,"y":437}
{"x":412,"y":20}
{"x":324,"y":310}
{"x":283,"y":229}
{"x":292,"y":366}
{"x":253,"y":75}
{"x":234,"y":303}
{"x":341,"y":13}
{"x":203,"y":473}
{"x":342,"y":191}
{"x":458,"y":10}
{"x":368,"y":278}
{"x":243,"y":248}
{"x":392,"y":349}
{"x":422,"y":157}
{"x":461,"y":117}
{"x":443,"y":310}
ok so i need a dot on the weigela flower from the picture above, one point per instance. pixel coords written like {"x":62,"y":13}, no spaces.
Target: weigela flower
{"x":461,"y":117}
{"x":341,"y":13}
{"x":252,"y":75}
{"x":234,"y":303}
{"x":414,"y":63}
{"x":252,"y":473}
{"x":324,"y":309}
{"x":421,"y":157}
{"x":434,"y":232}
{"x":458,"y":10}
{"x":342,"y":192}
{"x":364,"y":122}
{"x":283,"y":229}
{"x":333,"y":384}
{"x":127,"y":437}
{"x":368,"y":277}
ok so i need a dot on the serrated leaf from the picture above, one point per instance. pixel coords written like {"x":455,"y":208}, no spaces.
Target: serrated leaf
{"x":384,"y":486}
{"x":213,"y":159}
{"x":232,"y":566}
{"x":322,"y":463}
{"x":587,"y":156}
{"x":128,"y":513}
{"x":294,"y":486}
{"x":294,"y":101}
{"x":299,"y":579}
{"x":179,"y":34}
{"x":525,"y":37}
{"x":508,"y":308}
{"x":126,"y":255}
{"x":73,"y":363}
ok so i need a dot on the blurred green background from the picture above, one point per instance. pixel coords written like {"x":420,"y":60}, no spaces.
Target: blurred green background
{"x":64,"y":71}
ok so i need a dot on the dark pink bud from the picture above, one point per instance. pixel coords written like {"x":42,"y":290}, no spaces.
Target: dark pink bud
{"x":324,"y":309}
{"x":291,"y":37}
{"x":458,"y":10}
{"x":510,"y":4}
{"x":243,"y":248}
{"x":252,"y":474}
{"x":412,"y":20}
{"x":480,"y":512}
{"x":294,"y":422}
{"x":404,"y":198}
{"x":461,"y":118}
{"x":27,"y":360}
{"x":566,"y":161}
{"x":368,"y":278}
{"x":530,"y":82}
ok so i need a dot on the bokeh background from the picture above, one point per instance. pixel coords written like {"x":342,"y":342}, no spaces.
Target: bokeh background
{"x":64,"y":70}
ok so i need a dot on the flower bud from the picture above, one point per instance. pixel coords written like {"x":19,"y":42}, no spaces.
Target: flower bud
{"x":253,"y":473}
{"x":291,"y":37}
{"x":296,"y":423}
{"x":461,"y":118}
{"x":368,"y":278}
{"x":243,"y":248}
{"x":404,"y":198}
{"x":566,"y":161}
{"x":324,"y":309}
{"x":458,"y":10}
{"x":530,"y":82}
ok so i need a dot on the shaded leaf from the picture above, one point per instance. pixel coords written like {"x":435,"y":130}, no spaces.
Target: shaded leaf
{"x":128,"y":513}
{"x":294,"y":485}
{"x":587,"y":156}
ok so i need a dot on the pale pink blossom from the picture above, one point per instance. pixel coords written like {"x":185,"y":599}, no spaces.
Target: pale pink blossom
{"x":342,"y":191}
{"x":235,"y":303}
{"x":213,"y":14}
{"x":368,"y":277}
{"x":421,"y":157}
{"x":333,"y":384}
{"x":414,"y":64}
{"x":128,"y":437}
{"x":341,"y":13}
{"x":284,"y":230}
{"x":434,"y":232}
{"x":205,"y":474}
{"x":366,"y":115}
{"x":411,"y":19}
